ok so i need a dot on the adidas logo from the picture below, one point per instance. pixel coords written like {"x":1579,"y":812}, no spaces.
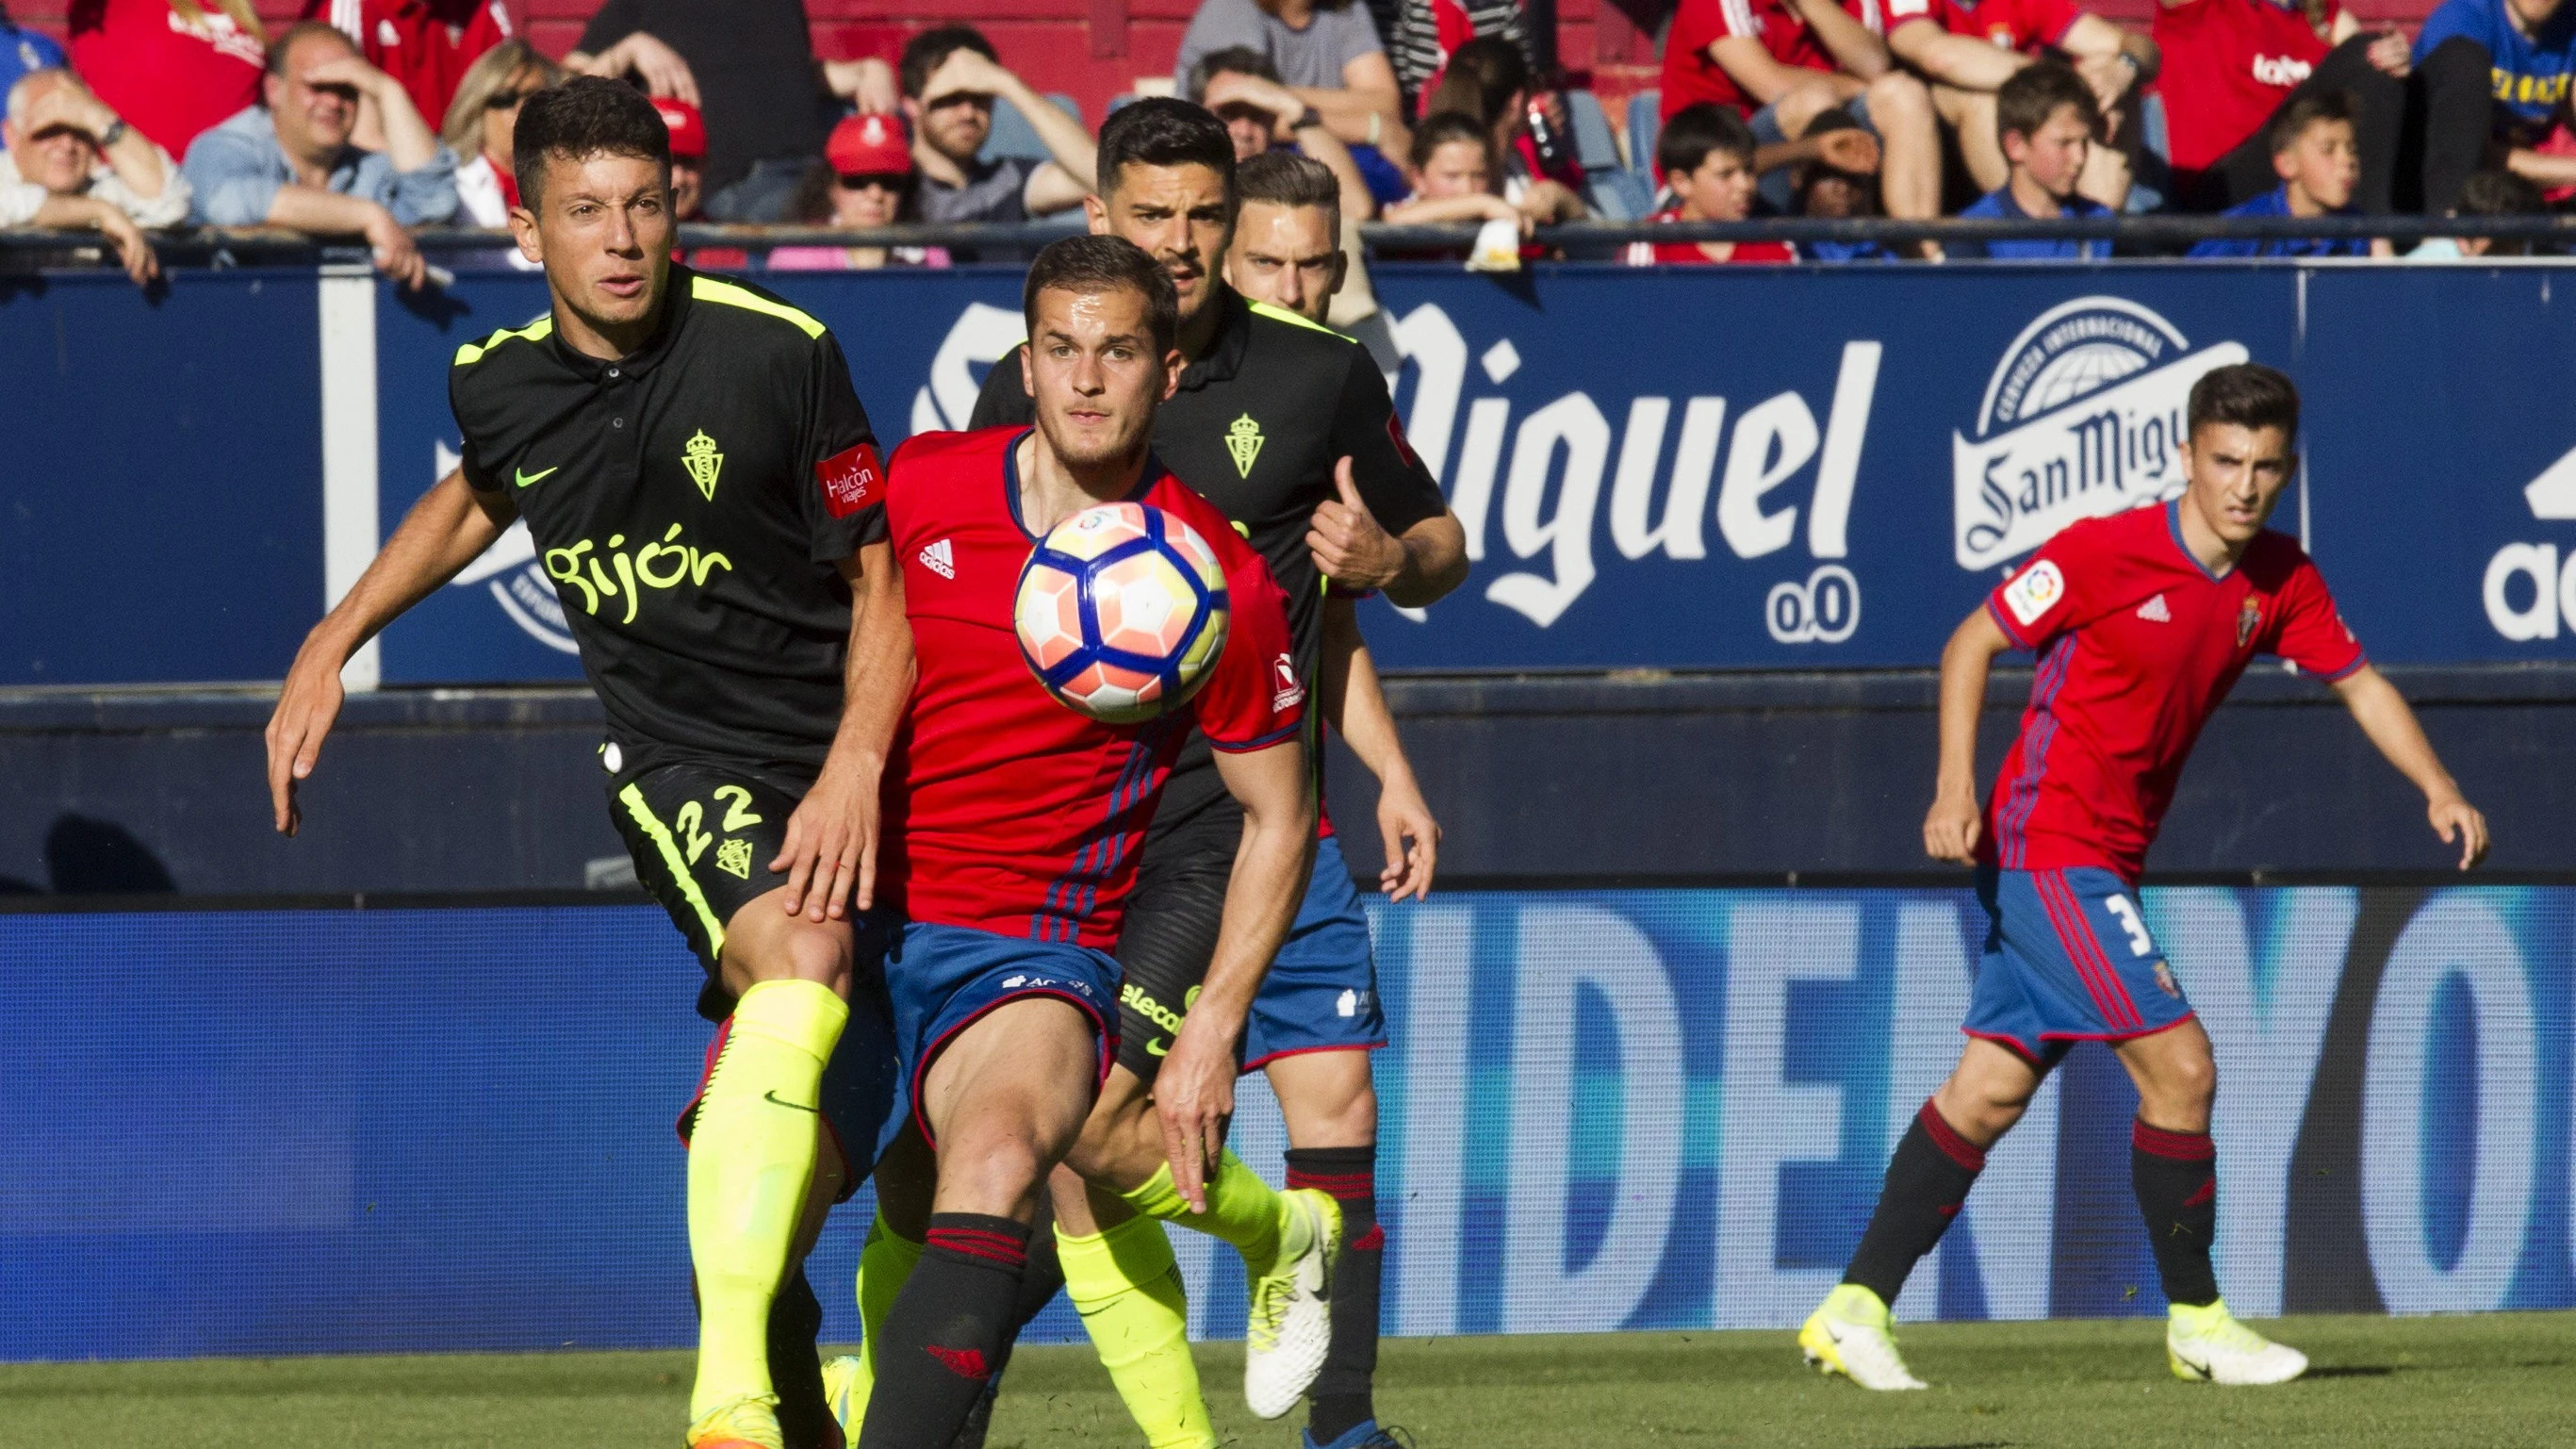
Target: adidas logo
{"x":2152,"y":609}
{"x":940,"y":561}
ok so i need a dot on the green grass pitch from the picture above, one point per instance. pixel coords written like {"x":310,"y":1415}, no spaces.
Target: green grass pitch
{"x":2505,"y":1379}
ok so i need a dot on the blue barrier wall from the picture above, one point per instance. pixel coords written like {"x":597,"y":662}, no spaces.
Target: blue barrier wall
{"x":1748,"y":469}
{"x":263,"y":1133}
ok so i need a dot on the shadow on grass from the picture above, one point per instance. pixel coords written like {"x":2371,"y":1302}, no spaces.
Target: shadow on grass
{"x":2351,"y":1371}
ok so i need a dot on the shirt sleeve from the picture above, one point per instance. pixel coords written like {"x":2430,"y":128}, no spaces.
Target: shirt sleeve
{"x":843,"y":495}
{"x":1391,"y":479}
{"x":2050,"y":594}
{"x":478,"y":473}
{"x":1356,"y":34}
{"x":2311,"y":632}
{"x":1253,"y":699}
{"x":422,"y":196}
{"x":234,"y":181}
{"x":1901,"y":11}
{"x":1004,"y":402}
{"x":1700,"y":23}
{"x":611,"y":23}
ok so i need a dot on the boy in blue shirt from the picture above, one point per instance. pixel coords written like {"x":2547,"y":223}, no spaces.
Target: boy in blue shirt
{"x":2528,"y":51}
{"x":2045,"y":119}
{"x":2318,"y":158}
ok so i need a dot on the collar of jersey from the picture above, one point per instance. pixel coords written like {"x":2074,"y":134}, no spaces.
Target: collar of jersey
{"x":2173,"y":525}
{"x":1233,"y":336}
{"x":1145,"y":481}
{"x":675,"y":303}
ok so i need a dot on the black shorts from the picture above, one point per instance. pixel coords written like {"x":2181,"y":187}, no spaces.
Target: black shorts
{"x":703,"y":833}
{"x":1173,"y":916}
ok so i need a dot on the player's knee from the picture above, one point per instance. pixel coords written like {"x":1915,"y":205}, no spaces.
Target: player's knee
{"x":819,"y":953}
{"x":991,"y":1170}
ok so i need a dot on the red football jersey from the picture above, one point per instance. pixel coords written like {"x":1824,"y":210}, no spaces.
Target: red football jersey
{"x":2229,"y":64}
{"x":170,"y":78}
{"x":1005,"y":810}
{"x":425,"y":44}
{"x":1690,"y":77}
{"x":2023,"y":25}
{"x":2137,"y":644}
{"x":1648,"y":254}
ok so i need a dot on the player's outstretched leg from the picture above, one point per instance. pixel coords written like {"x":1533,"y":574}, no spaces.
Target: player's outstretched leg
{"x":751,"y":1161}
{"x":2174,"y":1169}
{"x":1936,"y":1163}
{"x":1003,"y":1099}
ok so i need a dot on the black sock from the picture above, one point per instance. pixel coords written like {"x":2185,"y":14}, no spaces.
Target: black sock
{"x":795,"y":1367}
{"x":1340,"y":1398}
{"x":945,"y":1333}
{"x":1927,"y":1180}
{"x":2176,"y":1175}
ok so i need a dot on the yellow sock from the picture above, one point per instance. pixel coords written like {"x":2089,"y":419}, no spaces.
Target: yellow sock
{"x":1128,"y":1290}
{"x":885,"y":1265}
{"x":1241,"y":1208}
{"x":751,"y":1158}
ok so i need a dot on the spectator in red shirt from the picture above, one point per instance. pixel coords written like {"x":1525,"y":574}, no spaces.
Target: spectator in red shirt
{"x":428,"y":45}
{"x":2232,"y":65}
{"x":1967,"y":51}
{"x":172,"y":68}
{"x":482,"y":118}
{"x":1452,"y":170}
{"x":1706,"y":155}
{"x":1786,"y":61}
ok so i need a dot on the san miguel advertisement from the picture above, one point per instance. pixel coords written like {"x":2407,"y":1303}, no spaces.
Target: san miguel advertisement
{"x":1784,"y":469}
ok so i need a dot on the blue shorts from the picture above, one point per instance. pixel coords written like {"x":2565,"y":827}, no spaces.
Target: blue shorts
{"x":2068,"y":959}
{"x":943,"y":979}
{"x":1321,"y":993}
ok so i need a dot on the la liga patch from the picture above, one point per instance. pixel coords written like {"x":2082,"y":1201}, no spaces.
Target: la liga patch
{"x":852,"y":479}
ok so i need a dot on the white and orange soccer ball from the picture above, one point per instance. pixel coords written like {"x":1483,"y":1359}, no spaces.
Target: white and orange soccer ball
{"x":1121,"y":612}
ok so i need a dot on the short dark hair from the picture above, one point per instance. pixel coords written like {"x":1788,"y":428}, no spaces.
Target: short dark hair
{"x":1694,"y":131}
{"x":285,"y":41}
{"x":1445,"y":128}
{"x":1480,"y":78}
{"x":587,"y":115}
{"x":1285,"y":178}
{"x":1233,"y":60}
{"x":2309,"y":108}
{"x":2035,"y":92}
{"x":1105,"y":263}
{"x":924,"y":53}
{"x":1162,"y":131}
{"x":2246,"y":394}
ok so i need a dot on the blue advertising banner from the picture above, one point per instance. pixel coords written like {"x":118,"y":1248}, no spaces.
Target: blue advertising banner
{"x":1601,"y":1111}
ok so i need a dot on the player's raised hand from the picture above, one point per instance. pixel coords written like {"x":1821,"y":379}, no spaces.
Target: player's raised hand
{"x":1951,"y":829}
{"x":306,"y":709}
{"x":1194,"y":1099}
{"x":1348,"y":545}
{"x":2456,"y":819}
{"x":830,"y":853}
{"x":1412,"y":838}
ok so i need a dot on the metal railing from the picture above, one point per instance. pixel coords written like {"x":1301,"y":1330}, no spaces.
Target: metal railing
{"x":2152,"y":235}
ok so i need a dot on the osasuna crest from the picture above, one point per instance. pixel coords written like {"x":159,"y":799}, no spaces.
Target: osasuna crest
{"x":703,"y":461}
{"x":1243,"y":439}
{"x":2083,"y":416}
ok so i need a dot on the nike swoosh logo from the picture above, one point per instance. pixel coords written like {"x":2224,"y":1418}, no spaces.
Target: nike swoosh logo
{"x":2201,"y":1369}
{"x":528,"y":479}
{"x":773,"y":1099}
{"x":1158,"y":1048}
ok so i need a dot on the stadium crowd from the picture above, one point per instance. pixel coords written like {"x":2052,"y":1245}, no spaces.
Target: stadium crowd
{"x":376,"y":118}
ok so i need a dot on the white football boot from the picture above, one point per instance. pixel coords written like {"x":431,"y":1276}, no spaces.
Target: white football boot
{"x":1291,"y":1327}
{"x":1847,"y":1335}
{"x":2208,"y":1345}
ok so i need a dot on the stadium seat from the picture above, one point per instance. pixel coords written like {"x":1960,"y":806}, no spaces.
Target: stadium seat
{"x":1609,"y":188}
{"x":1645,"y":128}
{"x":1014,"y":136}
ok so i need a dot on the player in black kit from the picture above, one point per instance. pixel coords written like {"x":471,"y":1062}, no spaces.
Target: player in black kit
{"x":702,"y":485}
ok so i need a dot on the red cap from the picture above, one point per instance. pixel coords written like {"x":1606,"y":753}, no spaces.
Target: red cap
{"x":688,"y":128}
{"x":869,"y":146}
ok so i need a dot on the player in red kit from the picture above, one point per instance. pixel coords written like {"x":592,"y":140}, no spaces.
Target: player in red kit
{"x":1012,"y":824}
{"x":2142,"y":622}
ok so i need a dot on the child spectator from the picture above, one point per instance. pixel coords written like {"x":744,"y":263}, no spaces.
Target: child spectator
{"x":1706,"y":155}
{"x":950,"y":76}
{"x":2046,"y":118}
{"x":1967,"y":51}
{"x":173,"y":69}
{"x":1837,"y":180}
{"x":1488,"y":81}
{"x":867,"y":183}
{"x":2319,"y":163}
{"x":2522,"y":54}
{"x":1783,"y":62}
{"x":2493,"y":192}
{"x":71,"y":163}
{"x":428,"y":45}
{"x":1453,"y":177}
{"x":481,"y":119}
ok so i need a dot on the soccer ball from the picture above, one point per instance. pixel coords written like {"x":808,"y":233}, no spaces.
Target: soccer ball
{"x":1121,"y":612}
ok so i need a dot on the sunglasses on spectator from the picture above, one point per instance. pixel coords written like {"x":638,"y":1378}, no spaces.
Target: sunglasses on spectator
{"x":882,"y":180}
{"x":506,"y":100}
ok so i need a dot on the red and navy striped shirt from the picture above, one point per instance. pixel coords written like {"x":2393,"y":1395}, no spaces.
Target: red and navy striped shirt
{"x":1005,"y":810}
{"x":2137,"y":645}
